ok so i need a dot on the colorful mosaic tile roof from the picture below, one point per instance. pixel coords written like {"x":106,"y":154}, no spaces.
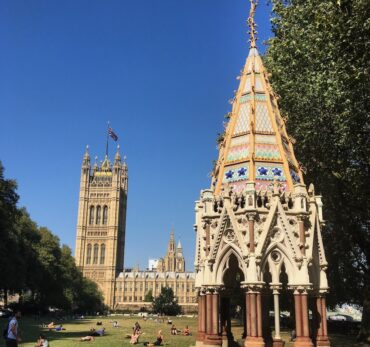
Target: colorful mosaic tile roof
{"x":256,"y":146}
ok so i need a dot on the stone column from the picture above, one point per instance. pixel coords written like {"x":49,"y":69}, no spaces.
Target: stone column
{"x":322,"y":330}
{"x":277,"y":341}
{"x":301,"y":316}
{"x":208,"y":299}
{"x":254,"y":318}
{"x":201,"y":317}
{"x":213,"y":336}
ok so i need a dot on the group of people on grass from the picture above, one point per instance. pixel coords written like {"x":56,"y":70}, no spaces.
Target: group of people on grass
{"x":12,"y":334}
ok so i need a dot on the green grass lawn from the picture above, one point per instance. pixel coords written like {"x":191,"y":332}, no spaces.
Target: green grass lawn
{"x":116,"y":336}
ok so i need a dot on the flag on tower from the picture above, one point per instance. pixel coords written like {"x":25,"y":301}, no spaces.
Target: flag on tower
{"x":112,"y":134}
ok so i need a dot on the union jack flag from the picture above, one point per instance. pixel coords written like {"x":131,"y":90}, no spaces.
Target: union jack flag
{"x":112,"y":134}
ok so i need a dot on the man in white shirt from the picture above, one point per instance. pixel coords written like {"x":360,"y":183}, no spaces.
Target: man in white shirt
{"x":12,"y":337}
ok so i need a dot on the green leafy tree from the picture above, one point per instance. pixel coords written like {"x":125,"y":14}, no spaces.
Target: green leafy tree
{"x":9,"y":240}
{"x":166,"y":303}
{"x":319,"y":60}
{"x":149,"y":296}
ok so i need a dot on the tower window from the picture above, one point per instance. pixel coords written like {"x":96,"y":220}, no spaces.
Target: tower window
{"x":105,"y":215}
{"x":98,"y":215}
{"x":96,"y":253}
{"x":102,"y":254}
{"x":88,"y":254}
{"x":92,"y":210}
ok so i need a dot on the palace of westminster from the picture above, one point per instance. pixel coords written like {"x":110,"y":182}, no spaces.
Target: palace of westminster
{"x":100,"y":243}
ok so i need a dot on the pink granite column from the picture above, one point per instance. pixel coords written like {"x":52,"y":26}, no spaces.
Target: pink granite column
{"x":302,"y":323}
{"x":322,"y":338}
{"x":213,"y":336}
{"x":254,"y":320}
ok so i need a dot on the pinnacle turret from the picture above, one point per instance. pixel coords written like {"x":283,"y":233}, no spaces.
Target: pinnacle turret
{"x":86,"y":158}
{"x":117,"y":158}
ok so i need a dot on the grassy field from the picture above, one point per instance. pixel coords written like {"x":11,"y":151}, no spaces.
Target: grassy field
{"x":116,"y":336}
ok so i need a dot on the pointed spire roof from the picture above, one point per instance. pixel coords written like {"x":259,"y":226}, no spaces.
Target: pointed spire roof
{"x":179,"y":245}
{"x":86,"y":158}
{"x":256,"y":147}
{"x":105,"y":166}
{"x":117,"y":157}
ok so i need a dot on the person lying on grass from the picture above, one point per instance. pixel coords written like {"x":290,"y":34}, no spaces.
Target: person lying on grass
{"x":87,"y":339}
{"x":99,"y":332}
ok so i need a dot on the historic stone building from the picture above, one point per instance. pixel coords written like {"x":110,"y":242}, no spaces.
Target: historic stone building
{"x":133,"y":284}
{"x":100,"y":242}
{"x":258,"y":226}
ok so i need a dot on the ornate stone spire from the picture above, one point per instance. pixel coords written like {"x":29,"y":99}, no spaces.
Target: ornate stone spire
{"x":117,"y":157}
{"x":86,"y":158}
{"x":256,"y":147}
{"x":179,"y":245}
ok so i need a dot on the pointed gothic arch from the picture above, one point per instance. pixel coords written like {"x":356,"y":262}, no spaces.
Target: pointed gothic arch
{"x":222,"y":262}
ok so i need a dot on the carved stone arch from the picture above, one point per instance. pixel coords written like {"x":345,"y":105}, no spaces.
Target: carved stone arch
{"x":222,"y":262}
{"x":275,"y":266}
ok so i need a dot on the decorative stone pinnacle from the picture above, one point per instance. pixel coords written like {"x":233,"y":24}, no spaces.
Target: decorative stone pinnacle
{"x":252,"y":24}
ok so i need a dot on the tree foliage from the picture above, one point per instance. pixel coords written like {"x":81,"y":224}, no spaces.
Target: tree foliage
{"x":166,"y":303}
{"x":34,"y":265}
{"x":149,"y":296}
{"x":319,"y":61}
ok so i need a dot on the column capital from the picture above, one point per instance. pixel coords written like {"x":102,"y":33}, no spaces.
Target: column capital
{"x":252,"y":287}
{"x":300,"y":289}
{"x":276,"y":287}
{"x":251,"y":215}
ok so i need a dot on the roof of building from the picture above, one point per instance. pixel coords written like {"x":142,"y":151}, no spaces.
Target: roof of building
{"x":156,"y":275}
{"x":255,"y":146}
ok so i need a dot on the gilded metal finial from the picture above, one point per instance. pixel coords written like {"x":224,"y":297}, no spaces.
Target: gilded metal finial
{"x":252,"y":24}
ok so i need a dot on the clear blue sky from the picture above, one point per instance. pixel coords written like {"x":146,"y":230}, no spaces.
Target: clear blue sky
{"x":162,"y":71}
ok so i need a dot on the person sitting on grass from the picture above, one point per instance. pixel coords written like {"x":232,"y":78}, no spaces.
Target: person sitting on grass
{"x":158,"y":342}
{"x":42,"y":341}
{"x":135,"y":337}
{"x":173,"y":330}
{"x":137,"y":327}
{"x":186,"y":331}
{"x":115,"y":324}
{"x":51,"y":326}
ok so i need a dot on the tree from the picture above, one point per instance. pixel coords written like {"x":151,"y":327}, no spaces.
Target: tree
{"x":9,"y":241}
{"x":149,"y":296}
{"x":34,"y":265}
{"x":319,"y":60}
{"x":166,"y":303}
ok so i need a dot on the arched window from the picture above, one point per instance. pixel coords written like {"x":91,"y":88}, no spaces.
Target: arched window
{"x":102,"y":254}
{"x":92,"y":210}
{"x":98,"y":215}
{"x":96,"y":253}
{"x":88,"y":254}
{"x":105,"y":215}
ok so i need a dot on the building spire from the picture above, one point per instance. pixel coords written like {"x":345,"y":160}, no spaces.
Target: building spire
{"x":252,"y":24}
{"x":255,"y":147}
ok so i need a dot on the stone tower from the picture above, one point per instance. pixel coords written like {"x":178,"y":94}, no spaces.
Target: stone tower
{"x":174,"y":260}
{"x":101,"y":222}
{"x":180,"y":260}
{"x":259,"y":225}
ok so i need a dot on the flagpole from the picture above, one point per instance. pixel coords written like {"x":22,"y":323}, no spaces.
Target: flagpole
{"x":106,"y":147}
